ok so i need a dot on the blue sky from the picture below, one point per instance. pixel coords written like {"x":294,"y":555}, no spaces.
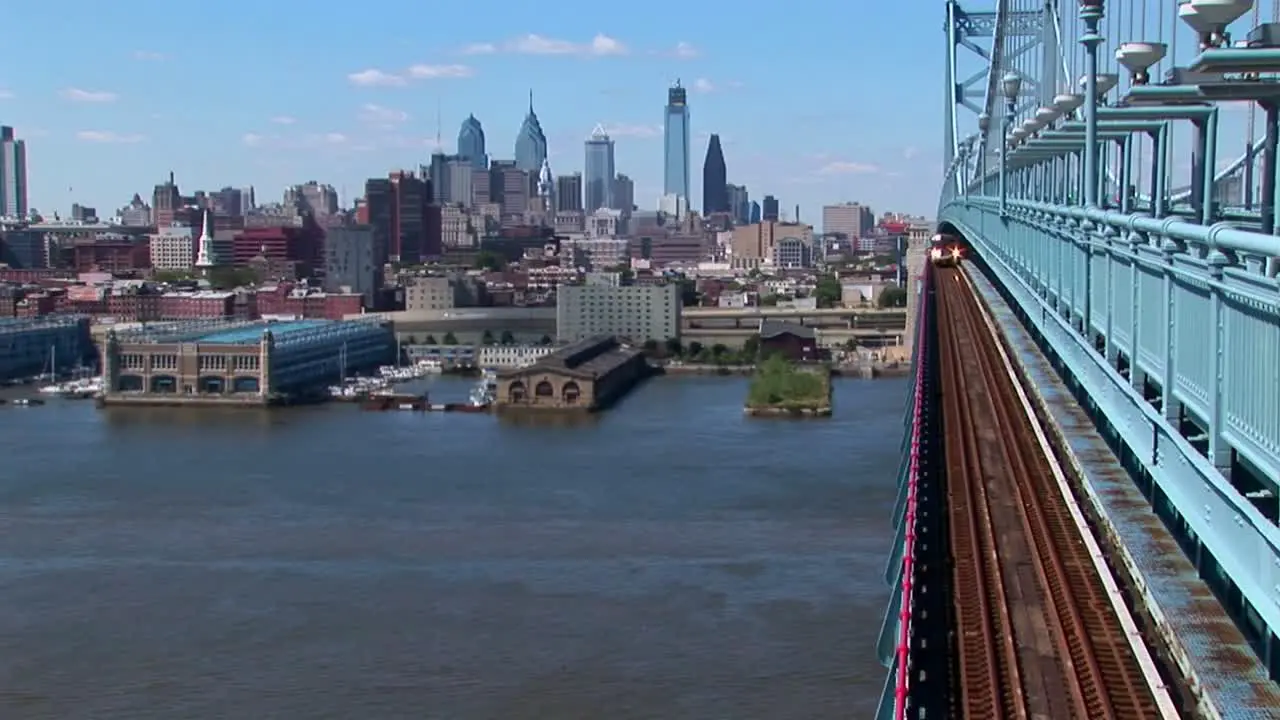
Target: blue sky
{"x":268,"y":94}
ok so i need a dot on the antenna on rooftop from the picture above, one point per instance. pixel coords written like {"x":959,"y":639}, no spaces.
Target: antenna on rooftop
{"x":439,"y":144}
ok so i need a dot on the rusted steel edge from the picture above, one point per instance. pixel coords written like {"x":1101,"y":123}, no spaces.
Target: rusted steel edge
{"x":1133,"y":635}
{"x":902,"y":684}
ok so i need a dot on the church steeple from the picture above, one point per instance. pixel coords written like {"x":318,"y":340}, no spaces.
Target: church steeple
{"x":204,"y":257}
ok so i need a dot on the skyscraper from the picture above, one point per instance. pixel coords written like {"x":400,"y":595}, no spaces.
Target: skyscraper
{"x":531,"y":143}
{"x":13,"y":174}
{"x":770,"y":209}
{"x":715,"y":189}
{"x":739,"y":204}
{"x":598,"y":170}
{"x":675,"y":162}
{"x":569,"y":193}
{"x":471,"y":143}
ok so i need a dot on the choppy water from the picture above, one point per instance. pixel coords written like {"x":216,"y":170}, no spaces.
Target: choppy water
{"x":671,"y":559}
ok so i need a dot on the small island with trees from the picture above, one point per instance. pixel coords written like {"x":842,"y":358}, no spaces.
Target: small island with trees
{"x":784,"y":389}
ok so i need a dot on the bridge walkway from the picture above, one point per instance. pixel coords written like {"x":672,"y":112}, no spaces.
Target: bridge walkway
{"x":1042,"y":629}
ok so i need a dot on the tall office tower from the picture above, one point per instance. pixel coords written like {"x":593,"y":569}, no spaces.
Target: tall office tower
{"x":406,"y":225}
{"x":715,"y":189}
{"x":13,"y":174}
{"x":739,"y":203}
{"x":770,"y":209}
{"x":569,"y":193}
{"x":675,"y":160}
{"x":471,"y":143}
{"x":451,"y":179}
{"x":598,"y":171}
{"x":624,"y":194}
{"x":531,"y":143}
{"x":754,"y":215}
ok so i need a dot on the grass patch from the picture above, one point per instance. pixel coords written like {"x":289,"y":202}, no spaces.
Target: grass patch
{"x":778,"y":384}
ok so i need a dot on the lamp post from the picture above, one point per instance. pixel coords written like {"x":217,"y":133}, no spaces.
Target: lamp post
{"x":1091,"y":14}
{"x":1010,"y":85}
{"x":984,"y":145}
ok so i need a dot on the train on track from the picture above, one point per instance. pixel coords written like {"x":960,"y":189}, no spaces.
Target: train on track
{"x":946,"y":250}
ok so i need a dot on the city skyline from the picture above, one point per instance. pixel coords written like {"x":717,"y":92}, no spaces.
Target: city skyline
{"x":115,"y":114}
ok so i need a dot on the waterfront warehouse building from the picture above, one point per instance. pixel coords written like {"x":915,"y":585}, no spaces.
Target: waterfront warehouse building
{"x":587,"y":375}
{"x":636,"y":312}
{"x":246,"y":363}
{"x":34,"y":346}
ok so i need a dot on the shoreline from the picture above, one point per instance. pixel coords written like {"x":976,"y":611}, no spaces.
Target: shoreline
{"x":859,"y":370}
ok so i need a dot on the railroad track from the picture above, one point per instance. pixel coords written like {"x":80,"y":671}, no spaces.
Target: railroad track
{"x":1037,"y":634}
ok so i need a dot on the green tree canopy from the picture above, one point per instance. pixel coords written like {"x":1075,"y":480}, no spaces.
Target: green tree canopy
{"x":487,"y":260}
{"x":450,"y":339}
{"x":894,"y":297}
{"x":507,"y":338}
{"x":828,"y":291}
{"x":487,"y":338}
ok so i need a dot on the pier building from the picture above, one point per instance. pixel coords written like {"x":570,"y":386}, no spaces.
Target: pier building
{"x":242,"y":364}
{"x":32,"y":346}
{"x":587,"y":375}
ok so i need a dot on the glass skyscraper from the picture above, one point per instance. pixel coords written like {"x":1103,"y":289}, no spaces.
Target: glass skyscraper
{"x":715,"y":188}
{"x":531,"y":143}
{"x":13,"y":174}
{"x":471,"y":143}
{"x":675,"y":161}
{"x":598,"y":170}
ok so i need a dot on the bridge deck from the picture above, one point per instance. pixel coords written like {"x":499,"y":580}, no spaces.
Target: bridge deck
{"x":1042,"y":630}
{"x":1225,"y":674}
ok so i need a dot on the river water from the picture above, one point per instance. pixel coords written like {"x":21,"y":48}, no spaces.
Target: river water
{"x":668,"y":559}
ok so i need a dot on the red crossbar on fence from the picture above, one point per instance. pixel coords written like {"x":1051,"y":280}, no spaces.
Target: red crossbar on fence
{"x":903,"y":682}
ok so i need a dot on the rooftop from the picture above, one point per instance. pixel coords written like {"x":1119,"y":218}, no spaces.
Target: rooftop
{"x":589,"y":358}
{"x":251,"y":334}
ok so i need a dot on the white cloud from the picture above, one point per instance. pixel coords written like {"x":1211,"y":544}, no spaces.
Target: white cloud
{"x":704,"y":86}
{"x":380,"y":116}
{"x":294,"y":141}
{"x":284,"y":120}
{"x":684,"y":50}
{"x":910,"y":152}
{"x":375,"y":78}
{"x":532,"y":44}
{"x":633,"y":131}
{"x":105,"y":136}
{"x":432,"y":72}
{"x":842,"y":167}
{"x":147,"y":55}
{"x":90,"y":96}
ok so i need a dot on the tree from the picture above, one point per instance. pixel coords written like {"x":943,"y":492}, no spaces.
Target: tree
{"x":751,"y":347}
{"x":769,"y":300}
{"x":651,"y":346}
{"x":850,"y":345}
{"x":545,"y":340}
{"x":486,"y":260}
{"x":431,"y":340}
{"x":828,"y":291}
{"x":719,"y":350}
{"x":695,"y":348}
{"x":507,"y":338}
{"x":487,"y":338}
{"x":894,"y":297}
{"x":674,"y":348}
{"x":450,"y":339}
